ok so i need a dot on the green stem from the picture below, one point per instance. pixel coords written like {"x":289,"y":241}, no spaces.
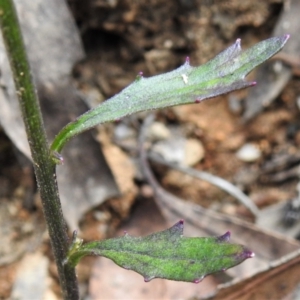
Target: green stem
{"x":43,"y":164}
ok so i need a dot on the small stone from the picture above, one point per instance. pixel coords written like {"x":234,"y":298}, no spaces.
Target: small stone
{"x":168,"y":44}
{"x":123,"y":132}
{"x":194,"y":152}
{"x":249,"y":153}
{"x":28,"y":227}
{"x":101,"y":216}
{"x":181,"y":151}
{"x":158,"y":131}
{"x":171,"y":150}
{"x":146,"y":191}
{"x":229,"y":209}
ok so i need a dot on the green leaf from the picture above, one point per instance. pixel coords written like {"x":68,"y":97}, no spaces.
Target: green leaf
{"x":166,"y":254}
{"x":187,"y":84}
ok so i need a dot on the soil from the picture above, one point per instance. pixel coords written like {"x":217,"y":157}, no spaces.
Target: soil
{"x":122,"y":38}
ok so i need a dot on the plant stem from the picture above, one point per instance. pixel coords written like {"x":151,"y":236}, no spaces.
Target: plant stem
{"x":42,"y":161}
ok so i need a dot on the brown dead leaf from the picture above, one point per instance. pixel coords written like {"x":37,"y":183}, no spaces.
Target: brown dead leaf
{"x":53,"y":47}
{"x":276,"y":281}
{"x":274,"y":75}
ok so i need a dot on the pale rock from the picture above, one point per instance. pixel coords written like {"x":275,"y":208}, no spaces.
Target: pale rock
{"x":158,"y":131}
{"x":249,"y":153}
{"x":123,"y":132}
{"x":171,"y":150}
{"x":194,"y":152}
{"x":181,"y":151}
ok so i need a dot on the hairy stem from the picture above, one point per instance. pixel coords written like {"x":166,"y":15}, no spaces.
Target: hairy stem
{"x":43,"y":163}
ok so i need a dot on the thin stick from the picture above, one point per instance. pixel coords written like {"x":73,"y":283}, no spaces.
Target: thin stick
{"x":212,"y":179}
{"x":215,"y":180}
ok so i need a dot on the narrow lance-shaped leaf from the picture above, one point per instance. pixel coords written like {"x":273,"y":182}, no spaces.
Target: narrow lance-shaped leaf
{"x":167,"y":254}
{"x":224,"y":73}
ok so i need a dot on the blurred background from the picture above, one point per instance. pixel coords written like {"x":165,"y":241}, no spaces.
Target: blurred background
{"x":84,"y":52}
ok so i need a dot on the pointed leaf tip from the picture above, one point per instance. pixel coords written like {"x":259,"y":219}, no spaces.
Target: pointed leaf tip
{"x":249,"y":254}
{"x":224,"y":238}
{"x":139,"y":76}
{"x":168,"y":254}
{"x":238,"y":44}
{"x":245,"y":254}
{"x":179,"y":226}
{"x":222,"y":74}
{"x":198,"y":280}
{"x":287,"y":36}
{"x":149,"y":278}
{"x":283,"y":39}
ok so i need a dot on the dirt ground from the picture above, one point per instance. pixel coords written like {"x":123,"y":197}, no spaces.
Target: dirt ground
{"x":122,"y":38}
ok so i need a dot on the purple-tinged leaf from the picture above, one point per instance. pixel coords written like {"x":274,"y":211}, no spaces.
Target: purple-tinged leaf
{"x":224,"y":73}
{"x":167,"y":254}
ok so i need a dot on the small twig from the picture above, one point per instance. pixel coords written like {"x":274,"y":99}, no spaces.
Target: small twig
{"x":291,"y":60}
{"x":280,"y":163}
{"x":282,"y":175}
{"x":215,"y":180}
